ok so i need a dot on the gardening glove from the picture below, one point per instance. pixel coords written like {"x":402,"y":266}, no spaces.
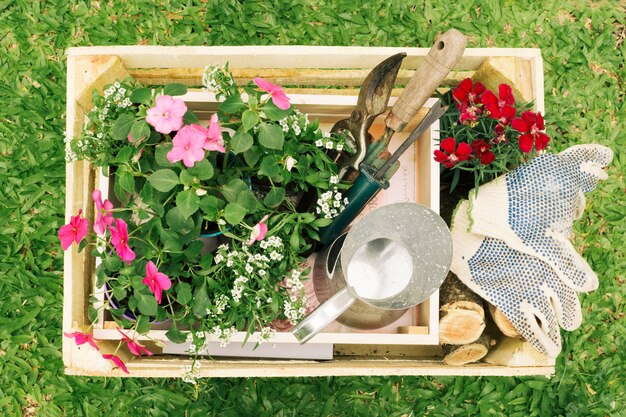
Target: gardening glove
{"x":524,"y":288}
{"x":533,"y":208}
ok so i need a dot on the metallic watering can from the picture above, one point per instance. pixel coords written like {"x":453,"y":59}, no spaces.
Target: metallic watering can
{"x":394,"y":258}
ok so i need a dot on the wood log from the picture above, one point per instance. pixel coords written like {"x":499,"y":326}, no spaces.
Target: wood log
{"x":510,"y":351}
{"x":473,"y":352}
{"x":503,"y":323}
{"x":513,"y":71}
{"x":461,"y":315}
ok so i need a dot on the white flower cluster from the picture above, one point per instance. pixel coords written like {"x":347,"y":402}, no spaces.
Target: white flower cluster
{"x":267,"y":333}
{"x":199,"y":346}
{"x":329,"y":142}
{"x":115,"y":96}
{"x":224,"y":335}
{"x":238,"y":288}
{"x":296,"y":122}
{"x":330,"y":204}
{"x":191,"y":373}
{"x":295,"y":307}
{"x":70,"y":155}
{"x":217,"y":80}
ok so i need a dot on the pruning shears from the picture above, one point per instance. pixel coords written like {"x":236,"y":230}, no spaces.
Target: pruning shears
{"x":374,"y":163}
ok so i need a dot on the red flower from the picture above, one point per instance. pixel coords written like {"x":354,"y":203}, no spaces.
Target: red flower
{"x":531,"y":125}
{"x":82,"y":338}
{"x":74,"y":231}
{"x":156,"y":281}
{"x":452,"y":154}
{"x":482,"y":152}
{"x":499,"y":135}
{"x":469,"y":114}
{"x":117,"y":361}
{"x":119,"y":239}
{"x":468,"y":93}
{"x":501,"y":108}
{"x":134,"y":347}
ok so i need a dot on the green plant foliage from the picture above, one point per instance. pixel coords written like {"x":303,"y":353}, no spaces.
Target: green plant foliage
{"x":583,"y":51}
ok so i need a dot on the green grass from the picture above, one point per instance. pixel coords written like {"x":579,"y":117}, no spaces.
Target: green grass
{"x":583,"y":51}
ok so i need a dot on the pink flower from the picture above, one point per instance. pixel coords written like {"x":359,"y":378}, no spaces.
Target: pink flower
{"x":279,"y":97}
{"x":134,"y":347}
{"x":167,"y":115}
{"x":258,"y":231}
{"x":452,"y":154}
{"x":119,"y":239}
{"x":117,"y":361}
{"x":156,"y":281}
{"x":188,"y":145}
{"x":74,"y":231}
{"x":82,"y":338}
{"x":214,"y":140}
{"x":531,"y":125}
{"x":104,"y":217}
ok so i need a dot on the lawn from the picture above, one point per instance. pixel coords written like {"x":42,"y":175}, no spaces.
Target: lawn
{"x":583,"y":50}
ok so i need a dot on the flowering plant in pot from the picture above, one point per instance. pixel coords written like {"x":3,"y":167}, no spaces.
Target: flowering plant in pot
{"x":485,"y":134}
{"x":202,"y":228}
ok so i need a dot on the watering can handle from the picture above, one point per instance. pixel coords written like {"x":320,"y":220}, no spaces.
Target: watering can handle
{"x":323,"y":315}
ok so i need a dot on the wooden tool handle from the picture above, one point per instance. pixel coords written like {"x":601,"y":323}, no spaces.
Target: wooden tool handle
{"x":442,"y":57}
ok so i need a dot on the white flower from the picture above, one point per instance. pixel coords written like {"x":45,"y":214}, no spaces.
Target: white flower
{"x":200,"y":192}
{"x":334,"y":179}
{"x":289,"y":163}
{"x":319,"y":143}
{"x":262,"y":272}
{"x":329,"y":145}
{"x":229,"y":263}
{"x":339,"y":147}
{"x":249,"y":268}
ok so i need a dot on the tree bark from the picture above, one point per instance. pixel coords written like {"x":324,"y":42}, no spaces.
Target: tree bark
{"x":473,"y":352}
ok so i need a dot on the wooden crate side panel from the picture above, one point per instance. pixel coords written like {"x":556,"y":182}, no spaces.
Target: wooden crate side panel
{"x":283,"y":56}
{"x":175,"y":368}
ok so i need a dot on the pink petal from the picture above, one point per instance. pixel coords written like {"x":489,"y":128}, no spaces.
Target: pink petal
{"x":163,"y":125}
{"x":164,"y":102}
{"x":163,"y":281}
{"x":176,"y":154}
{"x":281,"y":100}
{"x":117,"y":361}
{"x":96,"y":196}
{"x":264,"y":84}
{"x":214,"y":146}
{"x":66,"y":236}
{"x":192,"y":156}
{"x":215,"y":131}
{"x":151,"y":270}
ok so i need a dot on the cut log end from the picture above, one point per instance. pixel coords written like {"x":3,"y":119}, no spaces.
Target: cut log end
{"x":458,"y":327}
{"x":503,"y":323}
{"x":462,"y":355}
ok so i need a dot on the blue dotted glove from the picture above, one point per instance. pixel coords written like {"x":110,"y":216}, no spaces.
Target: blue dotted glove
{"x":524,"y":288}
{"x":533,"y":208}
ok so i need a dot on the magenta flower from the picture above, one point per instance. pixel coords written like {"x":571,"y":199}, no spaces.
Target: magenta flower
{"x":156,"y":281}
{"x":82,"y":338}
{"x":214,"y":140}
{"x":119,"y":239}
{"x":104,"y":218}
{"x":167,"y":115}
{"x":117,"y":361}
{"x":279,"y":97}
{"x":134,"y":347}
{"x":258,"y":231}
{"x":74,"y":231}
{"x":188,"y":145}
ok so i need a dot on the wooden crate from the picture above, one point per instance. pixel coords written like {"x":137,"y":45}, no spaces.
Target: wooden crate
{"x":323,"y":82}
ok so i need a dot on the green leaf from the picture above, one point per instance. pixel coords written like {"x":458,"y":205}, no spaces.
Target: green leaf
{"x":164,"y":180}
{"x":160,"y":154}
{"x":294,"y":241}
{"x":241,"y":142}
{"x":210,"y":205}
{"x":147,"y":304}
{"x":186,"y":178}
{"x":234,"y":213}
{"x":200,"y":301}
{"x":271,"y":136}
{"x":125,"y":179}
{"x":174,"y":89}
{"x":249,"y":119}
{"x":273,"y":113}
{"x":252,"y":156}
{"x":139,"y":130}
{"x":178,"y":222}
{"x":123,"y":156}
{"x":269,"y":167}
{"x":202,"y":169}
{"x":183,"y":293}
{"x":141,"y":95}
{"x":187,"y":202}
{"x":121,"y":127}
{"x":175,"y":335}
{"x":274,"y":197}
{"x":119,"y":293}
{"x":190,"y":118}
{"x":171,"y":240}
{"x":247,"y":200}
{"x":143,"y":324}
{"x":232,"y":104}
{"x":233,"y":188}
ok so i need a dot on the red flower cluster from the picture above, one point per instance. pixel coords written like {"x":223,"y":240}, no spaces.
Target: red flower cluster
{"x":450,"y":154}
{"x":532,"y":127}
{"x":467,"y":97}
